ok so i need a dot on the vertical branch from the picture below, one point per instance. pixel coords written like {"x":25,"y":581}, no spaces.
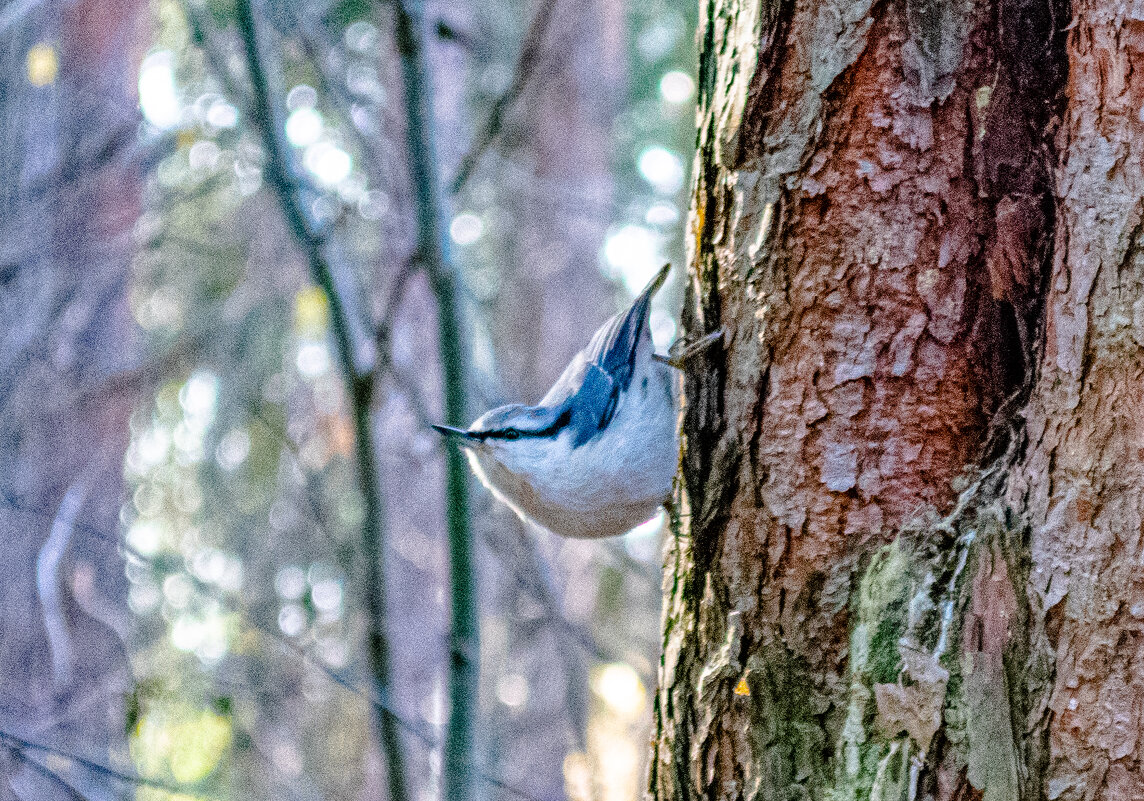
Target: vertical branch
{"x":434,"y":257}
{"x":359,"y":382}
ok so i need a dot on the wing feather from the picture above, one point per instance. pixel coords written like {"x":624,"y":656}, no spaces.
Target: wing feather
{"x":591,"y":385}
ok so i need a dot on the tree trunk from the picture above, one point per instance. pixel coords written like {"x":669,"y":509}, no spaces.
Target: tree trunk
{"x":911,"y":516}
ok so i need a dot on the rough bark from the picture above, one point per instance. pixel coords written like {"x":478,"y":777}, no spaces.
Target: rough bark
{"x":859,"y":601}
{"x":1079,"y":483}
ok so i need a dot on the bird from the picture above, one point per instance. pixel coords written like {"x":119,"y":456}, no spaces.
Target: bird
{"x":597,"y":456}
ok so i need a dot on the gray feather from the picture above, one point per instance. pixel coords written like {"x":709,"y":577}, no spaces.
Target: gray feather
{"x":590,"y":388}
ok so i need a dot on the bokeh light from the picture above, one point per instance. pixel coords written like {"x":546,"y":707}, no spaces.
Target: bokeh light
{"x":42,"y":64}
{"x":328,"y":163}
{"x":676,"y":87}
{"x":633,"y":255}
{"x":662,"y":215}
{"x":620,"y":687}
{"x":466,"y":228}
{"x":158,"y":98}
{"x":662,"y":169}
{"x":304,"y":126}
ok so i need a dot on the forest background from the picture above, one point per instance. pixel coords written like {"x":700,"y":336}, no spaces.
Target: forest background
{"x":250,"y":250}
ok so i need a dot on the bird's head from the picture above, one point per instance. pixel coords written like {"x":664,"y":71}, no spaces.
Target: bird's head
{"x":515,"y":438}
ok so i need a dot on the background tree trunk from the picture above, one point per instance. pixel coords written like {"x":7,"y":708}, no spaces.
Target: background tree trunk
{"x":907,"y":563}
{"x":553,"y":186}
{"x":68,"y":205}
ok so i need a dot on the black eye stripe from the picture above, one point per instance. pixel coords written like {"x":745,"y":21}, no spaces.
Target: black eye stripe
{"x":510,"y":433}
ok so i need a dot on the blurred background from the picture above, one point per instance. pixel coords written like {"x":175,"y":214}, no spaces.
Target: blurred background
{"x":210,"y":259}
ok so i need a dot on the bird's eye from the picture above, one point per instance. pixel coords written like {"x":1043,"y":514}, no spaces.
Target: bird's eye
{"x":511,"y":433}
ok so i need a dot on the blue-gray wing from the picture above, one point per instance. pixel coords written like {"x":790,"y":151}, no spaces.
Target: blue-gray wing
{"x":590,"y":388}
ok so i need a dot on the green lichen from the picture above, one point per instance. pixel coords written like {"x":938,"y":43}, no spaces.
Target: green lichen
{"x":868,"y":761}
{"x":913,"y":683}
{"x":992,"y":696}
{"x":885,"y":661}
{"x":786,"y":734}
{"x":883,"y":598}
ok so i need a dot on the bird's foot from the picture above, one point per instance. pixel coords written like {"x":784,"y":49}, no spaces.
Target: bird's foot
{"x":688,"y":353}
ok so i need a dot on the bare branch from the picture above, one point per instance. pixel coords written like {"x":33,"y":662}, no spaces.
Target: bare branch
{"x":11,"y":14}
{"x":359,"y":380}
{"x":530,"y":55}
{"x":21,"y":747}
{"x":48,"y":582}
{"x":433,"y":251}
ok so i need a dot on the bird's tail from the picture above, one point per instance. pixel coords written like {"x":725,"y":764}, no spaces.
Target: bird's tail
{"x":653,"y":285}
{"x":614,"y":346}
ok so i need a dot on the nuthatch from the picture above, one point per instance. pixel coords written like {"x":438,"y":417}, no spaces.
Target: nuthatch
{"x":597,"y":455}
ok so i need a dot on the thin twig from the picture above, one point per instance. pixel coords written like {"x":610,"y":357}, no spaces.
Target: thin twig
{"x":44,"y":770}
{"x":393,"y":303}
{"x":20,"y":746}
{"x":534,"y":586}
{"x":538,"y":587}
{"x":525,"y":65}
{"x":48,"y":561}
{"x":197,"y":22}
{"x":383,"y":339}
{"x":414,"y":729}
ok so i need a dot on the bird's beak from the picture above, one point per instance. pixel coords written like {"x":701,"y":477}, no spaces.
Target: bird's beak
{"x":463,"y":436}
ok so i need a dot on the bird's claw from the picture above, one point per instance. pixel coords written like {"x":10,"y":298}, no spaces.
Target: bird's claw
{"x":688,"y":353}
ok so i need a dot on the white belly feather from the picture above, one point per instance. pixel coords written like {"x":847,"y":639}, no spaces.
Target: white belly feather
{"x":608,"y":485}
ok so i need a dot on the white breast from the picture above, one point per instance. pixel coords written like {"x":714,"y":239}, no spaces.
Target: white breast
{"x":608,"y":485}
